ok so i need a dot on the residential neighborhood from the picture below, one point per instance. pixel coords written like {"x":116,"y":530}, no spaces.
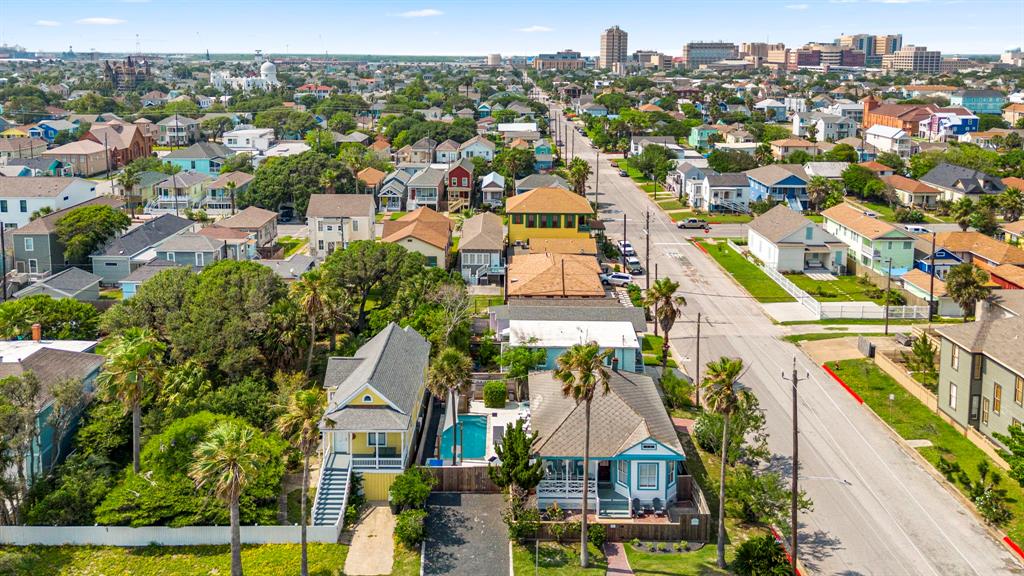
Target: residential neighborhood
{"x":584,"y":307}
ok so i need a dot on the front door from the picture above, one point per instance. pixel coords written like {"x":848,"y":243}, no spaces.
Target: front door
{"x":604,"y":471}
{"x":341,"y":442}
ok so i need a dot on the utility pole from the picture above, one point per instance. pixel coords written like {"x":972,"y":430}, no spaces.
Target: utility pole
{"x":931,"y":285}
{"x":888,"y":282}
{"x":3,"y":261}
{"x":794,"y":496}
{"x":696,"y":372}
{"x":647,"y":233}
{"x":597,"y":182}
{"x":624,"y":240}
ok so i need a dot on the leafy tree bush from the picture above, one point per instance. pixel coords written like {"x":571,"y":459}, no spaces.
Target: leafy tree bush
{"x":518,"y":468}
{"x":495,"y":394}
{"x":409,"y":527}
{"x":677,"y":390}
{"x":63,"y":319}
{"x":760,"y":556}
{"x":356,"y":499}
{"x":597,"y":535}
{"x":411,"y":488}
{"x":748,"y":438}
{"x":83,"y":230}
{"x":909,"y":216}
{"x":251,"y":399}
{"x":294,"y":179}
{"x":761,"y":496}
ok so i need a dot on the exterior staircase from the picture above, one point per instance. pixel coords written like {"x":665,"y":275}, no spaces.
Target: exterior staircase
{"x":332,"y":493}
{"x":795,"y":204}
{"x":457,"y":204}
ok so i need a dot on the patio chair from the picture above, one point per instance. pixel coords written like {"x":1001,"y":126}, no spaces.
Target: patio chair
{"x":635,"y":510}
{"x":659,"y":508}
{"x":648,"y":509}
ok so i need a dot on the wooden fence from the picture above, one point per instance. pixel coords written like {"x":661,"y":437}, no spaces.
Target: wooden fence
{"x":471,"y":479}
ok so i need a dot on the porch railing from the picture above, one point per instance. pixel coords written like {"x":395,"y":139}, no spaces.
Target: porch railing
{"x":371,"y":462}
{"x":566,"y":488}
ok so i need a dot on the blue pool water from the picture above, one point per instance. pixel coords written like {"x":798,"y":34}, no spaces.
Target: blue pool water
{"x":473,"y":438}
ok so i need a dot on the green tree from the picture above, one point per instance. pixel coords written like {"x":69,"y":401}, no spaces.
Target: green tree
{"x":761,"y":556}
{"x":513,"y":164}
{"x":342,"y":121}
{"x":286,"y":122}
{"x":215,"y":127}
{"x":723,"y":396}
{"x":984,"y":220}
{"x":365,"y":266}
{"x":519,"y":468}
{"x":842,"y":153}
{"x":19,"y":397}
{"x":582,"y":372}
{"x":311,"y":293}
{"x":892,"y":160}
{"x":85,"y":229}
{"x":68,"y":399}
{"x":818,"y":190}
{"x":293,"y":179}
{"x":579,"y":171}
{"x":761,"y":496}
{"x":666,"y":308}
{"x":241,"y":162}
{"x":1011,"y":202}
{"x":130,"y":373}
{"x":63,"y":319}
{"x":967,"y":285}
{"x":962,"y":211}
{"x":856,"y":179}
{"x":724,"y":161}
{"x":448,"y":377}
{"x":227,"y":461}
{"x":987,"y":122}
{"x":300,"y":423}
{"x":128,"y":179}
{"x":921,"y":360}
{"x":518,"y":361}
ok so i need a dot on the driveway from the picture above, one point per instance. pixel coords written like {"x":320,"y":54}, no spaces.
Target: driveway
{"x":466,"y":536}
{"x":372,"y":551}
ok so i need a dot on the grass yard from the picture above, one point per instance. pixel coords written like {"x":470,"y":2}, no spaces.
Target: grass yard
{"x":651,"y":348}
{"x":842,"y":289}
{"x":883,"y":210}
{"x":635,"y":174}
{"x":482,"y":302}
{"x":556,"y":560}
{"x":407,"y":561}
{"x":814,"y":336}
{"x":756,"y":282}
{"x":291,"y":244}
{"x":324,"y":560}
{"x":111,"y":294}
{"x":389,"y":215}
{"x":670,"y":205}
{"x":912,"y":420}
{"x":699,"y":563}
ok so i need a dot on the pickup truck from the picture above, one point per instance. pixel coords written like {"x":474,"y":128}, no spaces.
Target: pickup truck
{"x":692,"y":223}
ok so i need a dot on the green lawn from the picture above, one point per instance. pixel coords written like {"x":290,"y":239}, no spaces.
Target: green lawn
{"x":556,"y":560}
{"x":671,"y":204}
{"x":713,"y":218}
{"x":912,"y":420}
{"x":651,"y":348}
{"x":842,"y":289}
{"x":699,"y":563}
{"x":324,"y":560}
{"x":794,"y":338}
{"x":633,"y":172}
{"x":391,"y":215}
{"x":816,"y":218}
{"x":481,"y":303}
{"x":111,"y":294}
{"x":870,"y":321}
{"x":291,"y":245}
{"x":756,"y":282}
{"x":407,"y":561}
{"x":883,"y":210}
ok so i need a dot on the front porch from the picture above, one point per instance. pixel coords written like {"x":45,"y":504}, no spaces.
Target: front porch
{"x":620,"y":489}
{"x":368,"y":450}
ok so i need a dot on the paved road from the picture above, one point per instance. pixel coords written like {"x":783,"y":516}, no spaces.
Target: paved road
{"x":465,"y":535}
{"x":875,"y":510}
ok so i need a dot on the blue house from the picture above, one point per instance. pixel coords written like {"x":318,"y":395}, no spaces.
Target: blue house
{"x":203,"y":157}
{"x":979,"y":101}
{"x":130,"y":284}
{"x":774,"y":111}
{"x":699,"y":135}
{"x":543,"y":157}
{"x":49,"y":129}
{"x":484,"y":110}
{"x":781,"y":182}
{"x":557,"y":336}
{"x":635,"y":454}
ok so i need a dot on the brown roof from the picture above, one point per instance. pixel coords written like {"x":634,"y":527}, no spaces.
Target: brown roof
{"x":856,"y":220}
{"x":876,"y":166}
{"x":1014,"y":182}
{"x":239,"y":178}
{"x":380,"y":144}
{"x":20,"y":143}
{"x":251,"y":217}
{"x":117,"y":135}
{"x":904,"y":112}
{"x":1010,"y":273}
{"x":651,"y":108}
{"x":223,"y":233}
{"x":792,"y":142}
{"x":548,"y":201}
{"x":340,"y":205}
{"x":48,"y":223}
{"x":484,"y":231}
{"x":423,"y":224}
{"x":1016,"y":228}
{"x":908,"y":184}
{"x":923,"y":280}
{"x":554,"y":275}
{"x":370,"y":176}
{"x":980,"y":245}
{"x":77,"y":147}
{"x":563,"y":246}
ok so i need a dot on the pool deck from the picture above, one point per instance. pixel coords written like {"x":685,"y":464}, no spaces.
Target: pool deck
{"x":506,"y":417}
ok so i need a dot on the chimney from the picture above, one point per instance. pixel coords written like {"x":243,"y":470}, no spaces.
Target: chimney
{"x":37,"y":332}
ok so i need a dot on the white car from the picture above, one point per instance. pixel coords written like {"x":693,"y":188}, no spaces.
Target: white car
{"x":617,"y":279}
{"x":626,"y":248}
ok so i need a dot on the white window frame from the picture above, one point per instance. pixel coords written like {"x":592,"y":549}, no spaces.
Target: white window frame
{"x":30,"y":244}
{"x":640,"y":466}
{"x":376,"y":438}
{"x":952,"y":395}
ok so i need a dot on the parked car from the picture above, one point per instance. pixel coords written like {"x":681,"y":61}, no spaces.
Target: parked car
{"x":633,"y":266}
{"x":692,"y":223}
{"x":626,"y":248}
{"x":623,"y":173}
{"x":617,"y":279}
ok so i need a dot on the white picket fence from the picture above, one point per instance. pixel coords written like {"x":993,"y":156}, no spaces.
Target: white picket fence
{"x":828,"y":310}
{"x":160,"y":535}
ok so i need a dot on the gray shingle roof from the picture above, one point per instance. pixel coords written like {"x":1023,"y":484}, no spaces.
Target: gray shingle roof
{"x":41,"y":187}
{"x":1001,"y":340}
{"x":145,"y":236}
{"x":737,"y":179}
{"x":586,"y":310}
{"x":965,"y":179}
{"x":778,"y":223}
{"x":150,"y":269}
{"x":631,"y":412}
{"x":190,"y":243}
{"x":71,"y":280}
{"x":484,"y":231}
{"x":201,"y":150}
{"x":340,"y":205}
{"x":52,"y":366}
{"x":542,"y":181}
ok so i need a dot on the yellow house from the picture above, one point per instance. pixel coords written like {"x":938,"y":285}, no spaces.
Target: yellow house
{"x":375,"y":404}
{"x":548,"y":213}
{"x":14,"y":133}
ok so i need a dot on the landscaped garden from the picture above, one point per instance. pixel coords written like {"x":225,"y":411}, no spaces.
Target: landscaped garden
{"x":756,"y":282}
{"x":556,"y":559}
{"x":700,"y":562}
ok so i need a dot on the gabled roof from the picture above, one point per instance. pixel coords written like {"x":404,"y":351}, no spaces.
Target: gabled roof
{"x":980,"y":245}
{"x":70,"y":281}
{"x":190,"y":243}
{"x":492,"y":179}
{"x":548,"y":201}
{"x":429,"y":178}
{"x":370,"y":176}
{"x":728,"y":179}
{"x":568,"y":309}
{"x":448,"y":145}
{"x":41,"y":187}
{"x":145,"y":236}
{"x":856,"y":220}
{"x":423,"y":224}
{"x":394,"y":364}
{"x":484,"y":231}
{"x":150,"y":269}
{"x":340,"y":205}
{"x":47,"y":224}
{"x":779,"y":222}
{"x":630,"y":413}
{"x":239,"y":178}
{"x":478,"y":140}
{"x":201,"y":150}
{"x":908,"y":184}
{"x":546,"y":275}
{"x":425,"y":144}
{"x":251,"y":217}
{"x":774,"y":173}
{"x":967,"y":180}
{"x":923,"y":280}
{"x":1001,"y":340}
{"x":177,"y":120}
{"x":52,"y":366}
{"x":183,"y":180}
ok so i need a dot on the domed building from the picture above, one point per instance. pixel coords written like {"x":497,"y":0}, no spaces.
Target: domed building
{"x":265,"y":81}
{"x":268,"y":72}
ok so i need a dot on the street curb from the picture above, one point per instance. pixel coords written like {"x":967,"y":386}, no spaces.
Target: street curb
{"x":800,"y":568}
{"x":843,"y":384}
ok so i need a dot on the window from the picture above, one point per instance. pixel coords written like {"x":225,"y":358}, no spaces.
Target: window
{"x":3,"y":205}
{"x":170,"y":256}
{"x":355,"y":225}
{"x":199,"y":259}
{"x":570,"y":220}
{"x":30,"y":244}
{"x":622,"y":472}
{"x":320,"y":244}
{"x":193,"y":164}
{"x":977,"y":366}
{"x":376,"y":439}
{"x":647,"y":475}
{"x":952,"y":396}
{"x":984,"y":410}
{"x":367,"y":399}
{"x":809,"y":233}
{"x":517,"y":218}
{"x":115,"y":263}
{"x":954,"y":358}
{"x":531,"y":220}
{"x":1018,"y":391}
{"x":432,"y":261}
{"x":906,"y":245}
{"x":320,"y":225}
{"x":465,"y":181}
{"x":997,"y":398}
{"x":23,"y":205}
{"x":648,"y":446}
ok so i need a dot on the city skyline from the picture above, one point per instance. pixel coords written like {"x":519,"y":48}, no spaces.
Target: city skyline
{"x":425,"y":28}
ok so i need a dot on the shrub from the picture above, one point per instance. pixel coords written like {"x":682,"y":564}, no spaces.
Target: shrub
{"x":409,"y":527}
{"x":558,"y":530}
{"x":760,"y":556}
{"x":677,"y":390}
{"x":412,"y":488}
{"x":747,"y":436}
{"x":635,"y":542}
{"x":572,"y":529}
{"x":495,"y":394}
{"x":908,"y":216}
{"x":13,"y":563}
{"x":597,"y":535}
{"x":523,"y":524}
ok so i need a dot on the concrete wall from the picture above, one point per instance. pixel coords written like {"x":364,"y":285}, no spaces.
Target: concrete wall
{"x":161,"y":535}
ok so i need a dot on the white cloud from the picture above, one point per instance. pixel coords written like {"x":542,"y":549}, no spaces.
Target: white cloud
{"x":47,"y":23}
{"x":797,"y":6}
{"x":898,"y":1}
{"x":536,"y":28}
{"x":100,"y":21}
{"x":425,"y":13}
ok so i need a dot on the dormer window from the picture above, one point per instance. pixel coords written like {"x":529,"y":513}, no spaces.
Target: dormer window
{"x":367,"y":399}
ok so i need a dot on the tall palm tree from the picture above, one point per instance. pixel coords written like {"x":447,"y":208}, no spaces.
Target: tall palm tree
{"x":962,"y":211}
{"x":724,"y":397}
{"x":967,"y":285}
{"x":818,"y":189}
{"x":1011,"y":202}
{"x":227,"y":460}
{"x":578,"y":173}
{"x":310,"y":293}
{"x":299,"y":423}
{"x":128,"y":179}
{"x":231,"y":186}
{"x":582,"y":371}
{"x":666,"y":307}
{"x":449,"y":376}
{"x":131,"y":369}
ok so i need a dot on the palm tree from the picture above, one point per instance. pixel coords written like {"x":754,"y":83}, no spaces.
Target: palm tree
{"x":128,"y":179}
{"x":722,"y":396}
{"x":450,"y":376}
{"x":763,"y":154}
{"x":962,"y":211}
{"x":1011,"y":201}
{"x":310,"y":291}
{"x":133,"y":364}
{"x":227,"y":460}
{"x":667,"y":308}
{"x":299,"y":422}
{"x":582,"y":370}
{"x":578,"y":173}
{"x":967,"y":285}
{"x":818,"y":189}
{"x":231,"y":190}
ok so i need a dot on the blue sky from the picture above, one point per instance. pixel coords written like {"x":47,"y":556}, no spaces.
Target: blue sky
{"x":484,"y":26}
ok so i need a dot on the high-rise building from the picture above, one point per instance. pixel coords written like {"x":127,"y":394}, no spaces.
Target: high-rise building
{"x":758,"y":49}
{"x":564,"y":60}
{"x":697,"y":53}
{"x":836,"y":55}
{"x":494,"y":59}
{"x":1012,"y":57}
{"x":913,"y":59}
{"x":863,"y":42}
{"x":613,"y":47}
{"x":652,"y":59}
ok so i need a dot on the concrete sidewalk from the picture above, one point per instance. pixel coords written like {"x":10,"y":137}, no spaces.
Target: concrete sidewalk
{"x":618,"y":563}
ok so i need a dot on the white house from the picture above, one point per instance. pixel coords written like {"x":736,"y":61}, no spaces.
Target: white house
{"x":889,"y":139}
{"x":477,"y":147}
{"x":20,"y":197}
{"x":251,"y":140}
{"x":786,"y":241}
{"x":729,"y":192}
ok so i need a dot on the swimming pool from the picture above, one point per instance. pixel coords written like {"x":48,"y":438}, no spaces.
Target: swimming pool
{"x":473,"y":438}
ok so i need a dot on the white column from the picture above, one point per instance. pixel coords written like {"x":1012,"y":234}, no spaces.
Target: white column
{"x":403,"y":449}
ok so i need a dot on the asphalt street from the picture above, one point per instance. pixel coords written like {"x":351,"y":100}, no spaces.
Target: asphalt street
{"x":876,"y":511}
